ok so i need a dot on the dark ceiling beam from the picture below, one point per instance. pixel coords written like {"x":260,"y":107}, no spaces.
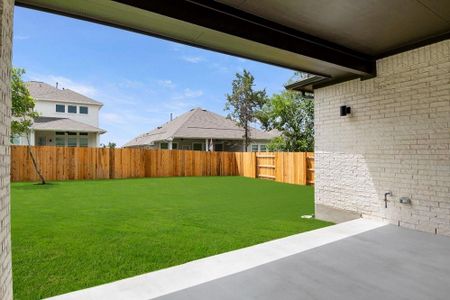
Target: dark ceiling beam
{"x":225,"y":19}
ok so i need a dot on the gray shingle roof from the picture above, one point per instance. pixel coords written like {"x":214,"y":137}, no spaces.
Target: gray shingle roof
{"x":63,"y":124}
{"x":198,"y":123}
{"x":43,"y":91}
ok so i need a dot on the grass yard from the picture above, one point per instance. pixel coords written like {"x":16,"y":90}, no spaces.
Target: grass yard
{"x":77,"y":234}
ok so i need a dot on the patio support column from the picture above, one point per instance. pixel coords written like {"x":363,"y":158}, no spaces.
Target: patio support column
{"x":6,"y":24}
{"x":170,"y":145}
{"x":206,"y":145}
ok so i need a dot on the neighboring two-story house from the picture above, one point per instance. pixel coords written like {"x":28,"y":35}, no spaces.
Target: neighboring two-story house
{"x":202,"y":130}
{"x":66,"y":118}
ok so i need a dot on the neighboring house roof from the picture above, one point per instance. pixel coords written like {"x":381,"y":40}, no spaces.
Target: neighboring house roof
{"x":43,"y":91}
{"x":306,"y":84}
{"x":63,"y":124}
{"x":199,"y":123}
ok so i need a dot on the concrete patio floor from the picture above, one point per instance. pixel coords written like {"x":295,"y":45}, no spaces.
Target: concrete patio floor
{"x":359,"y":259}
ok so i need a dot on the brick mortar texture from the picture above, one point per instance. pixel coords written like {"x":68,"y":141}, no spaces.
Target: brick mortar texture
{"x":397,"y":139}
{"x":6,"y":20}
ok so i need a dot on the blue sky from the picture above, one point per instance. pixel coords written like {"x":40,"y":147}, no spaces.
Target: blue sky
{"x":140,"y":79}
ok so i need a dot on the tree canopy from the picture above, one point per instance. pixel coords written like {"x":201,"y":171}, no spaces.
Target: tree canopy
{"x":23,"y":114}
{"x":244,"y":103}
{"x":293,"y":115}
{"x":22,"y":106}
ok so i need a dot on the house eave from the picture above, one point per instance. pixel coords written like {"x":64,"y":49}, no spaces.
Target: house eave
{"x":66,"y":101}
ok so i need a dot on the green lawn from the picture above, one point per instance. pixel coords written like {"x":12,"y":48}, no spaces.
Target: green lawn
{"x":76,"y":234}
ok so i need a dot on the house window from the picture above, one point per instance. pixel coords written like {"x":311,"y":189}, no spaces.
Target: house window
{"x":60,"y":139}
{"x":15,"y":140}
{"x":84,"y":110}
{"x":42,"y":141}
{"x":164,"y":146}
{"x":218,"y":147}
{"x":72,"y":109}
{"x":174,"y":146}
{"x":83,"y":139}
{"x":263,"y":147}
{"x":60,"y":108}
{"x":186,"y":147}
{"x":72,"y":139}
{"x":197,"y":146}
{"x":254,"y":147}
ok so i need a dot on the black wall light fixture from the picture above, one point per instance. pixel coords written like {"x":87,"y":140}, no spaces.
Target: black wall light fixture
{"x":345,"y":110}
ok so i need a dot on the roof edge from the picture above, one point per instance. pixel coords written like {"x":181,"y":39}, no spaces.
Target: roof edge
{"x":98,"y":103}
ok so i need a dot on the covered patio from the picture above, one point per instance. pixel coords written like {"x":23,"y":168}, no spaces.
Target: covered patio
{"x":386,"y":159}
{"x":358,"y":259}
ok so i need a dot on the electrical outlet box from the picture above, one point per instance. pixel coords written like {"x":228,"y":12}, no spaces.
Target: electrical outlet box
{"x":405,"y":200}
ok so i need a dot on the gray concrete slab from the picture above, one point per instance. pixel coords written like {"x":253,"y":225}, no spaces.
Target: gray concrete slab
{"x":385,"y":263}
{"x":335,"y":215}
{"x":166,"y":281}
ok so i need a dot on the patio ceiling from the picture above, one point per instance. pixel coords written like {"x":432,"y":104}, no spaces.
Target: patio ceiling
{"x":337,"y":40}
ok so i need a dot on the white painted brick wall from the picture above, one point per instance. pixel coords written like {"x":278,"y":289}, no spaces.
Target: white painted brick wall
{"x":6,"y":11}
{"x":397,"y":139}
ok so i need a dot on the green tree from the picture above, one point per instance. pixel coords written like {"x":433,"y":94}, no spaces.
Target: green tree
{"x":293,"y":115}
{"x":244,"y":103}
{"x":110,"y":145}
{"x":23,"y":113}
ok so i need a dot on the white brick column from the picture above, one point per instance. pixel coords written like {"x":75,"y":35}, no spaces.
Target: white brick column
{"x":6,"y":19}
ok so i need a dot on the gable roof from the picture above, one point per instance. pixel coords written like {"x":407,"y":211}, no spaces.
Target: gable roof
{"x":63,"y":124}
{"x":43,"y":91}
{"x":198,"y":123}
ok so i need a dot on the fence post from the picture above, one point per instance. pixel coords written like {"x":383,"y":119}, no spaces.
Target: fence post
{"x":305,"y":168}
{"x":112,"y":162}
{"x":255,"y":160}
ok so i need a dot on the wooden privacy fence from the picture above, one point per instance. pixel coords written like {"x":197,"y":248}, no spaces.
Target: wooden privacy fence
{"x":64,"y":163}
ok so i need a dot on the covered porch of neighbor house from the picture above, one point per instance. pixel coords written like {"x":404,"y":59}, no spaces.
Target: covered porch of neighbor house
{"x":50,"y":131}
{"x":65,"y":138}
{"x":212,"y":145}
{"x":58,"y":138}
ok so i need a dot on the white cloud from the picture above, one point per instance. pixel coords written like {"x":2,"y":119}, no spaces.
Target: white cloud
{"x":219,"y":68}
{"x":167,"y":83}
{"x":124,"y":125}
{"x":111,"y":118}
{"x":124,"y":117}
{"x":192,"y":59}
{"x":20,"y":37}
{"x":177,"y":47}
{"x":188,"y":93}
{"x":178,"y":106}
{"x":132,"y":84}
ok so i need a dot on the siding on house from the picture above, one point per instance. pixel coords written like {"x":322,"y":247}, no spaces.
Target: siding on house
{"x":397,"y":139}
{"x":47,"y":108}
